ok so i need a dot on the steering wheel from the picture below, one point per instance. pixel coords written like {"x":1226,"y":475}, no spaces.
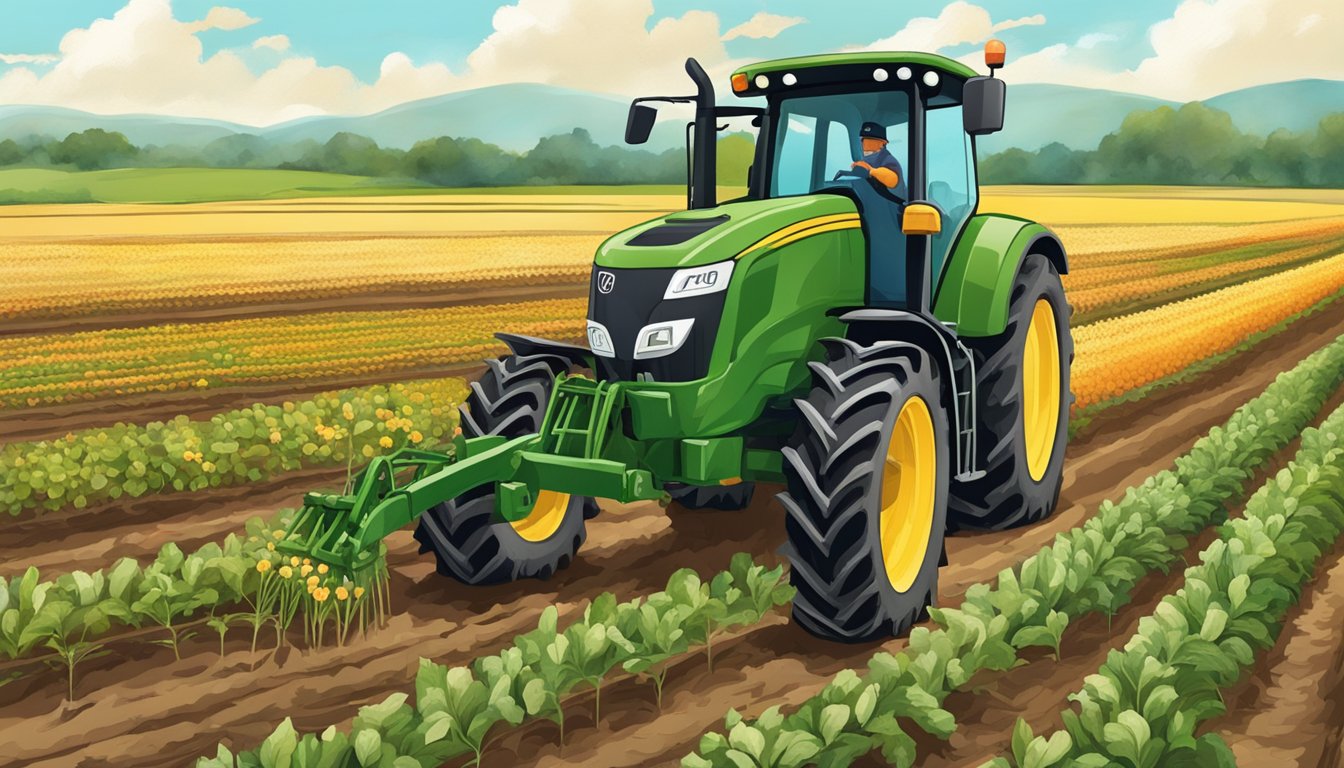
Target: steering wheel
{"x":859,"y":175}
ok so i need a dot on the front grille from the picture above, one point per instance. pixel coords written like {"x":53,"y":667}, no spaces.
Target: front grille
{"x":634,"y":300}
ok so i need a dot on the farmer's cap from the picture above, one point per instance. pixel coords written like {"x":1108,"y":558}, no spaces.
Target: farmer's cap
{"x":873,"y":131}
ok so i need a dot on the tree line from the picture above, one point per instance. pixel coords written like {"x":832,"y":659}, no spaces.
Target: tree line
{"x":1194,"y":144}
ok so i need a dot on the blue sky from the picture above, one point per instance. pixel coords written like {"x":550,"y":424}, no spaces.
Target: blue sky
{"x":259,"y":61}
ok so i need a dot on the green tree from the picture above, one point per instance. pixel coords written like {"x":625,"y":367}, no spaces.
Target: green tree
{"x":93,"y":149}
{"x":11,"y":153}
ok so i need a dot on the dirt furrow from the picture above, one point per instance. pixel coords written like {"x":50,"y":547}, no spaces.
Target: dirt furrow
{"x":95,"y":538}
{"x":1290,"y":710}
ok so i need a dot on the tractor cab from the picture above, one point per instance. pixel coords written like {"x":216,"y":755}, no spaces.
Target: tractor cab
{"x":928,"y":107}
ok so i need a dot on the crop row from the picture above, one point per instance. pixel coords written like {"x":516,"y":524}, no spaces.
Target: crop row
{"x":93,"y":364}
{"x":1108,"y":289}
{"x":240,"y":446}
{"x":80,"y":279}
{"x":1122,"y":354}
{"x":75,"y":614}
{"x":1143,"y":705}
{"x":1092,"y":568}
{"x":456,"y":709}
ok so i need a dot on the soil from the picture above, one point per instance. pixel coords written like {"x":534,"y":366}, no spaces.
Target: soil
{"x":140,"y":706}
{"x":1290,"y":710}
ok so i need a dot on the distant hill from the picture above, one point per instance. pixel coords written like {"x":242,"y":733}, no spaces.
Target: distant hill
{"x":1037,"y":114}
{"x":1297,"y":105}
{"x":515,"y":116}
{"x":512,"y":116}
{"x":19,"y":122}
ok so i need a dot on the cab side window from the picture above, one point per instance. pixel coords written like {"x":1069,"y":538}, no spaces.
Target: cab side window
{"x":951,"y":178}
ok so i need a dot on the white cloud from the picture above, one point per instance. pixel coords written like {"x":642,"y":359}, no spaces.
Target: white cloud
{"x":142,"y":60}
{"x":599,"y":45}
{"x":278,"y":43}
{"x":959,"y":22}
{"x":28,"y":58}
{"x":763,"y":26}
{"x":1207,"y":47}
{"x":1093,"y":39}
{"x":220,"y":17}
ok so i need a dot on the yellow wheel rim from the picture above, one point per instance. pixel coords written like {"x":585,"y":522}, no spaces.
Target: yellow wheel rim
{"x":909,"y":487}
{"x":1040,"y":388}
{"x":545,"y":518}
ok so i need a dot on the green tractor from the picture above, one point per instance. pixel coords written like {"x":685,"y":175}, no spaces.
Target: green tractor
{"x":896,"y":361}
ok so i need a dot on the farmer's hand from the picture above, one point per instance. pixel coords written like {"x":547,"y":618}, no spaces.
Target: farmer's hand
{"x":861,"y":164}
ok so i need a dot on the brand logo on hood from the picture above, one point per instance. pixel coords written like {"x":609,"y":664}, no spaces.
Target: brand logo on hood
{"x":606,"y":281}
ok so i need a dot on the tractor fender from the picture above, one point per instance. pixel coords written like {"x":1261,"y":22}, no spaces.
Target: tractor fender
{"x":977,"y":283}
{"x":871,"y":326}
{"x":530,"y":345}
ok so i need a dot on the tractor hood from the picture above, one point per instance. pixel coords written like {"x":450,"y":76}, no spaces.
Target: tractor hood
{"x":708,"y":235}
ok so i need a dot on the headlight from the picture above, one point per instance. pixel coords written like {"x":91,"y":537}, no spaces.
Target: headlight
{"x":599,"y":340}
{"x":698,"y":281}
{"x":662,"y":339}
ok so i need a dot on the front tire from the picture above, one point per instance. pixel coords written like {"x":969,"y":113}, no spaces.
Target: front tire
{"x":1022,"y":379}
{"x":470,"y":543}
{"x":866,"y":504}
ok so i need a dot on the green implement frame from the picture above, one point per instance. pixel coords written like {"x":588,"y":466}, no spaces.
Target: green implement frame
{"x":392,"y":491}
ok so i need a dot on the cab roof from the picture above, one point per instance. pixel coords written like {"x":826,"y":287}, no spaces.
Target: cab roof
{"x":848,"y":66}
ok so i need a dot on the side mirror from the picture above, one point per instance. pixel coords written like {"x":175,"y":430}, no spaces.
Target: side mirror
{"x":982,"y":102}
{"x":921,"y":218}
{"x":751,"y":177}
{"x":639,"y":123}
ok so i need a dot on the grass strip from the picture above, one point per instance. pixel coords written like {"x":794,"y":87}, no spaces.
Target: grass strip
{"x":1091,"y":568}
{"x":1142,"y":706}
{"x":459,"y":710}
{"x":247,"y":445}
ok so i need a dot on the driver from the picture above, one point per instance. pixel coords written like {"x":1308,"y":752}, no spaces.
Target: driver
{"x":880,"y":164}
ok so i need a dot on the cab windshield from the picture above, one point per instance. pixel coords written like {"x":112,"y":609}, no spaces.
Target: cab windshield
{"x":818,"y":136}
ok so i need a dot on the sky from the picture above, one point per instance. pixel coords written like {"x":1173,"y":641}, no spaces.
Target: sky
{"x":259,"y":62}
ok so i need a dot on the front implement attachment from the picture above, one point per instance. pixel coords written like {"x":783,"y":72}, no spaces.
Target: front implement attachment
{"x":392,"y":491}
{"x":569,"y":455}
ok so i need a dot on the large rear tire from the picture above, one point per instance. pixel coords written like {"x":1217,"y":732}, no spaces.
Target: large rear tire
{"x":866,"y":504}
{"x":469,"y":542}
{"x":1022,"y":377}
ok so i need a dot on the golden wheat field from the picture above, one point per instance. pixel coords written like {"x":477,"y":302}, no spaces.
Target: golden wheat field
{"x":104,"y":301}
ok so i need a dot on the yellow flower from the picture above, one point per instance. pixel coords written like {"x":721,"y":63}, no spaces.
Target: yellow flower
{"x":306,"y":561}
{"x":312,"y":581}
{"x":457,"y":431}
{"x":275,"y":438}
{"x":321,"y":594}
{"x":263,"y":566}
{"x":359,"y":592}
{"x":270,"y":546}
{"x":208,"y":466}
{"x":416,"y":436}
{"x":322,"y":568}
{"x":307,"y":569}
{"x":385,"y":441}
{"x":342,"y":593}
{"x":202,"y":383}
{"x":286,"y":571}
{"x":188,"y":456}
{"x":347,"y":411}
{"x":406,"y":410}
{"x":294,"y":561}
{"x":278,"y":535}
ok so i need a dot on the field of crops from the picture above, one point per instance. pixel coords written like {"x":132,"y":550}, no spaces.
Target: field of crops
{"x":173,"y":378}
